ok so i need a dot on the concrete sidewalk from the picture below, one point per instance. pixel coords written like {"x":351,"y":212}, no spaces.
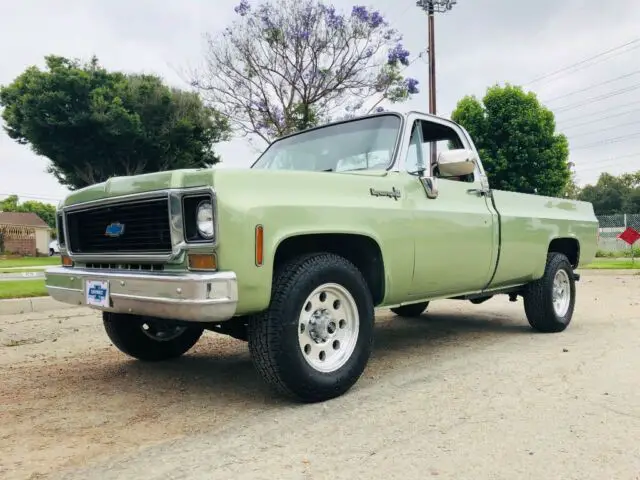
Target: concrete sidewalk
{"x":34,"y":304}
{"x":32,"y":267}
{"x":21,"y":276}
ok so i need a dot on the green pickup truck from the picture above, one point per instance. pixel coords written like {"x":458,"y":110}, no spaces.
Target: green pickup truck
{"x":294,"y":254}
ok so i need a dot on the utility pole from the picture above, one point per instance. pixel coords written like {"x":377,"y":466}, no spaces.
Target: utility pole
{"x":432,"y":59}
{"x":432,"y":7}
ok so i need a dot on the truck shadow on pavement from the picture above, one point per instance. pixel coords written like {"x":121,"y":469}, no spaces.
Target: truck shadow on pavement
{"x":220,"y":367}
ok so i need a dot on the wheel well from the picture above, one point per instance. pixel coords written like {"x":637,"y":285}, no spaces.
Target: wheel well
{"x":567,"y":246}
{"x":361,"y":250}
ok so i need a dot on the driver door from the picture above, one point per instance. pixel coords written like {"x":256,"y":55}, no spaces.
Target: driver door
{"x":455,"y":233}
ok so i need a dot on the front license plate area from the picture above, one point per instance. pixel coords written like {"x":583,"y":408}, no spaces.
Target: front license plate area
{"x":97,"y":293}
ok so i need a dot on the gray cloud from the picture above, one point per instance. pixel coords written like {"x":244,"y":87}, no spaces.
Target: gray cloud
{"x":479,"y":43}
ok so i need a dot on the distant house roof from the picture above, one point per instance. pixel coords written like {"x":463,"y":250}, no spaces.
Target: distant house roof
{"x":27,"y":219}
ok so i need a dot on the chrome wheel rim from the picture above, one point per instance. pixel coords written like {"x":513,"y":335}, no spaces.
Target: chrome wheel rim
{"x":328,"y":327}
{"x":162,"y":332}
{"x":561,"y":293}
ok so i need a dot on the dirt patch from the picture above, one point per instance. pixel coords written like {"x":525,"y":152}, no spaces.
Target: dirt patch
{"x":68,"y":399}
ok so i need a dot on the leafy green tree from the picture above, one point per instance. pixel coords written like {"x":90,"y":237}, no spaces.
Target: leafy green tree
{"x":571,"y":189}
{"x":287,"y":65}
{"x":516,"y":137}
{"x":614,"y":194}
{"x":94,"y":124}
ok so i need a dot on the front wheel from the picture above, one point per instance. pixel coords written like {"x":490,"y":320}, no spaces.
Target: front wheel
{"x":149,"y":339}
{"x":549,"y":301}
{"x":315,"y":339}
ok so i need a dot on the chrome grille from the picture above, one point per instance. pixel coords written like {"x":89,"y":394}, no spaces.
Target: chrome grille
{"x":142,"y":226}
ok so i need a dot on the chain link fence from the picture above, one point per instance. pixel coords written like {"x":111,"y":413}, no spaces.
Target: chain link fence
{"x":613,"y":225}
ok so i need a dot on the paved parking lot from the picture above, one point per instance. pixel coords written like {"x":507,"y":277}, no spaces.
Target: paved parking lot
{"x":465,"y":392}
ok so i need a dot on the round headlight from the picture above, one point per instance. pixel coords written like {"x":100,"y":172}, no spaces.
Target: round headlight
{"x":204,"y":219}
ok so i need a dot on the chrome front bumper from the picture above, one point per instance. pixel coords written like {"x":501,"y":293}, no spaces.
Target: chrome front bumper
{"x":195,"y":297}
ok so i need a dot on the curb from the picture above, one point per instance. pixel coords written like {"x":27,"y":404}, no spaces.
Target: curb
{"x":29,"y":305}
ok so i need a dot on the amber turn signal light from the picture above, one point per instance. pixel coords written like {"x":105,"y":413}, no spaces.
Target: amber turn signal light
{"x":66,"y":261}
{"x":202,"y":261}
{"x":259,"y":245}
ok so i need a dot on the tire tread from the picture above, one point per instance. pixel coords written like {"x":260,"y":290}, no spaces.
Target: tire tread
{"x":266,"y":328}
{"x":537,"y":305}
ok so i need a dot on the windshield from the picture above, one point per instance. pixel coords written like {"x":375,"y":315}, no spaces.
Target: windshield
{"x":365,"y":144}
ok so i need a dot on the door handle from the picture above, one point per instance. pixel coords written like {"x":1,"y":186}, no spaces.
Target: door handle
{"x":479,"y":191}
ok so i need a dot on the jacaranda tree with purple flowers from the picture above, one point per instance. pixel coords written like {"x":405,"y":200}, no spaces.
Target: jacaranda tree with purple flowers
{"x":286,"y":65}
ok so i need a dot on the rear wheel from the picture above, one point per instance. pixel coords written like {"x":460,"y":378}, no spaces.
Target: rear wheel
{"x":549,"y":302}
{"x":149,"y":339}
{"x":413,"y":310}
{"x":315,"y":339}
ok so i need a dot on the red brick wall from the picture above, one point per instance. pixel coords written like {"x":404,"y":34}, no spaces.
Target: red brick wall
{"x":22,"y":246}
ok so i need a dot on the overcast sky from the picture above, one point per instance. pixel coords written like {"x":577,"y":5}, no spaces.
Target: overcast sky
{"x":478,"y":43}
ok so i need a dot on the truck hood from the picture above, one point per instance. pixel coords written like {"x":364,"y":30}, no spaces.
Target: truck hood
{"x":225,"y":179}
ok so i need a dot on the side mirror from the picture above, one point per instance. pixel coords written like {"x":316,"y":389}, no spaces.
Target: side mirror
{"x":455,"y":163}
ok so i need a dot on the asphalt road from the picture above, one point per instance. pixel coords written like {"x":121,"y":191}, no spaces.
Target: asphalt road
{"x":465,"y":392}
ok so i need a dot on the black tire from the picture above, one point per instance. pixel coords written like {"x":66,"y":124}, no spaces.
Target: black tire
{"x":127,"y":334}
{"x":413,"y":310}
{"x":538,"y":297}
{"x":273,"y":335}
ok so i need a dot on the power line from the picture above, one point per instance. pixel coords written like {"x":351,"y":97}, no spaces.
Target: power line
{"x":604,"y":163}
{"x":591,"y":87}
{"x":35,"y":197}
{"x":599,"y":119}
{"x":635,"y":42}
{"x":608,"y":141}
{"x":637,"y":122}
{"x":598,"y":98}
{"x":595,"y":114}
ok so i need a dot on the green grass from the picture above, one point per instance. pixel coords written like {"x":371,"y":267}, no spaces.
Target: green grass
{"x":626,"y":253}
{"x":29,"y":262}
{"x":606,"y":264}
{"x":22,"y":289}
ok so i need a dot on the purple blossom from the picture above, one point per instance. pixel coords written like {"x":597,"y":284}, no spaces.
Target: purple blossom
{"x":360,"y":13}
{"x":412,"y":85}
{"x":333,"y":19}
{"x":243,"y":8}
{"x":304,"y":35}
{"x":376,"y":20}
{"x":379,"y":109}
{"x":398,"y":54}
{"x":368,"y":53}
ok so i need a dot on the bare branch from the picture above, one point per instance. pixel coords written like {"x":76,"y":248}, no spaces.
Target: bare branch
{"x":286,"y":65}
